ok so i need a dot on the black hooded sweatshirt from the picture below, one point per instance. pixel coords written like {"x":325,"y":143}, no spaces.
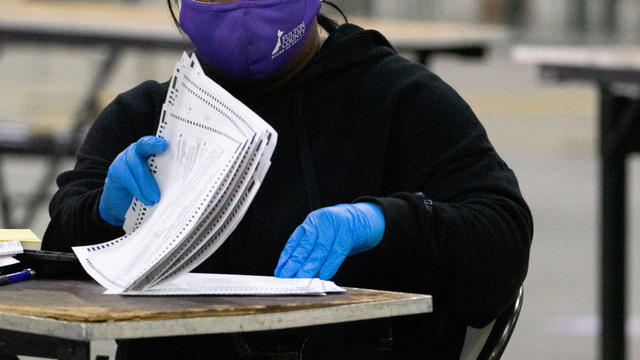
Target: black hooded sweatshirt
{"x":358,"y":123}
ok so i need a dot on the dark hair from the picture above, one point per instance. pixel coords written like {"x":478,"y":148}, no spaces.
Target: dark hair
{"x":326,"y":22}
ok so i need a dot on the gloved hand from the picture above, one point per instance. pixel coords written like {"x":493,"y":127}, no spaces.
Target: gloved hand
{"x":327,"y":236}
{"x":129,"y":176}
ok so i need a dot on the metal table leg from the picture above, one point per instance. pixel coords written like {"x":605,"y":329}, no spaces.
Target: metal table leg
{"x":610,"y":16}
{"x":578,"y":15}
{"x":613,"y":182}
{"x":17,"y":343}
{"x":424,"y":56}
{"x":41,"y":194}
{"x":5,"y":200}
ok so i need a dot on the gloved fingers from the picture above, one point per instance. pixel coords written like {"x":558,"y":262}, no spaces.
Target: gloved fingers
{"x":291,"y":245}
{"x":139,"y":169}
{"x":114,"y":204}
{"x":150,"y":145}
{"x":317,"y":258}
{"x":340,"y":250}
{"x":301,"y":252}
{"x":125,"y":179}
{"x":144,"y":148}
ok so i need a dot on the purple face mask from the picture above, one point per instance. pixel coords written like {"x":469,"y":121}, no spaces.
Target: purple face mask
{"x":248,"y":39}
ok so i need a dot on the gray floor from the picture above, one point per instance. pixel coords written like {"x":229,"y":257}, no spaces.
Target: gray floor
{"x":545,"y":132}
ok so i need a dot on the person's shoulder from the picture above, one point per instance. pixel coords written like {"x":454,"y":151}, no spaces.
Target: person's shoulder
{"x":146,"y":91}
{"x":139,"y":106}
{"x":395,"y":76}
{"x":144,"y":99}
{"x":396,"y":83}
{"x":398,"y":70}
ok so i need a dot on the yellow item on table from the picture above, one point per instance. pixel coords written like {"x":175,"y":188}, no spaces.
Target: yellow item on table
{"x":27,"y":238}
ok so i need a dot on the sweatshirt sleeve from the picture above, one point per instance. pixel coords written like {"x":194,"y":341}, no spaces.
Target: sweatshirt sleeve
{"x":456,"y":223}
{"x":75,"y":219}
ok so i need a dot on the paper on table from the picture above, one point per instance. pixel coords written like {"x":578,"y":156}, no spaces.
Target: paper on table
{"x":223,"y":284}
{"x":7,"y":260}
{"x":27,"y":238}
{"x":13,"y":247}
{"x":22,"y":235}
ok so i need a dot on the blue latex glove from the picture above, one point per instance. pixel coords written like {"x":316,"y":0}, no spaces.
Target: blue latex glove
{"x":327,"y":236}
{"x":128,"y":176}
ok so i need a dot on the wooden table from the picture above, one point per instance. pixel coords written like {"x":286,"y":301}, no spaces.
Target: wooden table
{"x":607,"y":67}
{"x":60,"y":318}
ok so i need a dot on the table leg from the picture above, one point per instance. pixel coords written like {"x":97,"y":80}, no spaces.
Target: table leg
{"x":424,"y":56}
{"x":515,"y":12}
{"x":90,"y":106}
{"x":73,"y":350}
{"x":19,"y":343}
{"x":578,"y":15}
{"x":610,"y":15}
{"x":613,"y":182}
{"x":5,"y":200}
{"x":42,"y":191}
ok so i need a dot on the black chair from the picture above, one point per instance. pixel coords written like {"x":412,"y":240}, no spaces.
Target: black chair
{"x":490,"y":342}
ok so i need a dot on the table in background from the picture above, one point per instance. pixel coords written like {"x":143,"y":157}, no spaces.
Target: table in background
{"x":607,"y":67}
{"x":151,"y":27}
{"x":60,"y":318}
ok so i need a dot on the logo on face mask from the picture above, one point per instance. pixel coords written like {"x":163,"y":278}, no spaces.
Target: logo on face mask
{"x":279,"y":44}
{"x":289,"y":40}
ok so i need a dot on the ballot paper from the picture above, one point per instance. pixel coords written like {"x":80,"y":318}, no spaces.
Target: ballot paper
{"x":26,"y":237}
{"x":7,"y":260}
{"x":8,"y":248}
{"x":219,"y":152}
{"x":223,"y":284}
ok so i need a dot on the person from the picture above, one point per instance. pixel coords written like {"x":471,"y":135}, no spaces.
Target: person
{"x":382,"y":178}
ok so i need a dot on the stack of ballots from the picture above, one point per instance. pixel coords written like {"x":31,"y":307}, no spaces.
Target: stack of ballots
{"x":13,"y":241}
{"x":7,"y":250}
{"x":219,"y":152}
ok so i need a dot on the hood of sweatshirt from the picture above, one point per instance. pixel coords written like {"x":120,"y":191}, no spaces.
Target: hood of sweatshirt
{"x":346,"y":46}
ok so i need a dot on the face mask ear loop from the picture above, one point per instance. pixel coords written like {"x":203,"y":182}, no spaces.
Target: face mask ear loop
{"x":337,"y":9}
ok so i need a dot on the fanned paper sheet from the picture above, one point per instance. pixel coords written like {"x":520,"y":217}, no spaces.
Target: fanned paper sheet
{"x":9,"y":248}
{"x":219,"y":152}
{"x":7,"y":260}
{"x":12,"y":247}
{"x":222,"y":284}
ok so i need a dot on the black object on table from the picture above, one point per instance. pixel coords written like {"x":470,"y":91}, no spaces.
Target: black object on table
{"x":52,"y":264}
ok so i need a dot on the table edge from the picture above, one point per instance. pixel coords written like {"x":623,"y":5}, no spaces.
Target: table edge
{"x":79,"y":331}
